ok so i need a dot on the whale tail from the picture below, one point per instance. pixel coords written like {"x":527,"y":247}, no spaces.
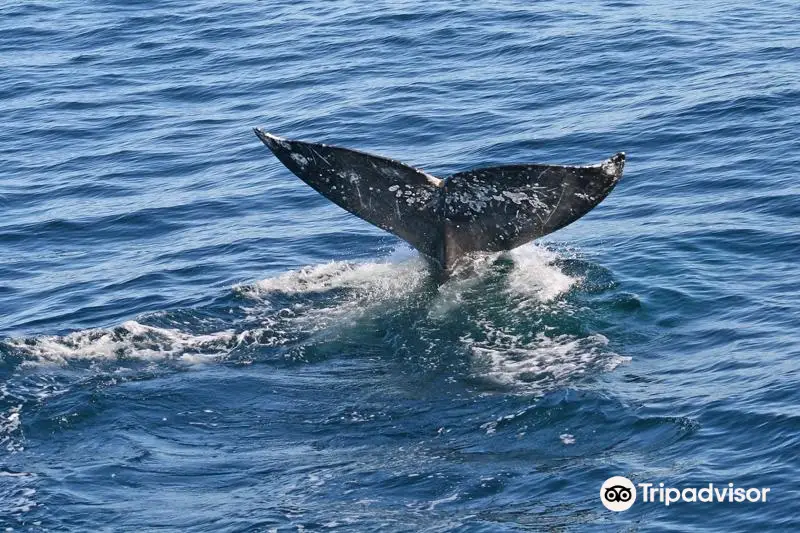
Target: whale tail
{"x":485,"y":209}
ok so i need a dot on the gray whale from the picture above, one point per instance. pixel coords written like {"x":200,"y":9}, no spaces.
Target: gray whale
{"x":484,"y":209}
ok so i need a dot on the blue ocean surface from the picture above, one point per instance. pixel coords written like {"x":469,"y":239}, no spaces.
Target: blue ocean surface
{"x":191,"y":339}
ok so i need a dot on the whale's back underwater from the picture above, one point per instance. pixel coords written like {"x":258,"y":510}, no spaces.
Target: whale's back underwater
{"x":486,"y":209}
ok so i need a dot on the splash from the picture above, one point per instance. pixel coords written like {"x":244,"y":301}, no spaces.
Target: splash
{"x":500,"y":310}
{"x":535,"y":276}
{"x":319,"y":297}
{"x":376,"y":279}
{"x":529,"y":347}
{"x":540,"y":363}
{"x":131,"y":339}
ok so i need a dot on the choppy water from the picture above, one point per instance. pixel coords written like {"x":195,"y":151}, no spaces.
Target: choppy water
{"x":191,"y":339}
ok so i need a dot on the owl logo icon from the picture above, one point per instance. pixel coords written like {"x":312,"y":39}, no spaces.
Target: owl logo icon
{"x":618,"y":493}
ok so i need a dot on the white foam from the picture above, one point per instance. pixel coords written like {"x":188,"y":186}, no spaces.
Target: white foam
{"x":364,"y":286}
{"x":533,"y":279}
{"x":352,"y":291}
{"x":567,"y":438}
{"x":387,"y":278}
{"x":541,"y":363}
{"x":131,"y":339}
{"x":537,"y":363}
{"x":535,"y":275}
{"x":10,"y":432}
{"x":325,"y":299}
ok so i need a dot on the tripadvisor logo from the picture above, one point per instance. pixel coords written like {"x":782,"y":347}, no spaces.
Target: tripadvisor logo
{"x":619,"y":493}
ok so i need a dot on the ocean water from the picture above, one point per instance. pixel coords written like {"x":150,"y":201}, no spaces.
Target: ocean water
{"x":193,"y":340}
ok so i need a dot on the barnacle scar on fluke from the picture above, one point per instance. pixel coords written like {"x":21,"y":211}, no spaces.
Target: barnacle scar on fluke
{"x":484,"y":209}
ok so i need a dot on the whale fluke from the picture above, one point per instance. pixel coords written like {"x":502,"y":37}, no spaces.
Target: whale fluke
{"x":485,"y":209}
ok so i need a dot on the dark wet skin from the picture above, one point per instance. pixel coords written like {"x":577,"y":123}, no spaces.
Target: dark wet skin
{"x":480,"y":210}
